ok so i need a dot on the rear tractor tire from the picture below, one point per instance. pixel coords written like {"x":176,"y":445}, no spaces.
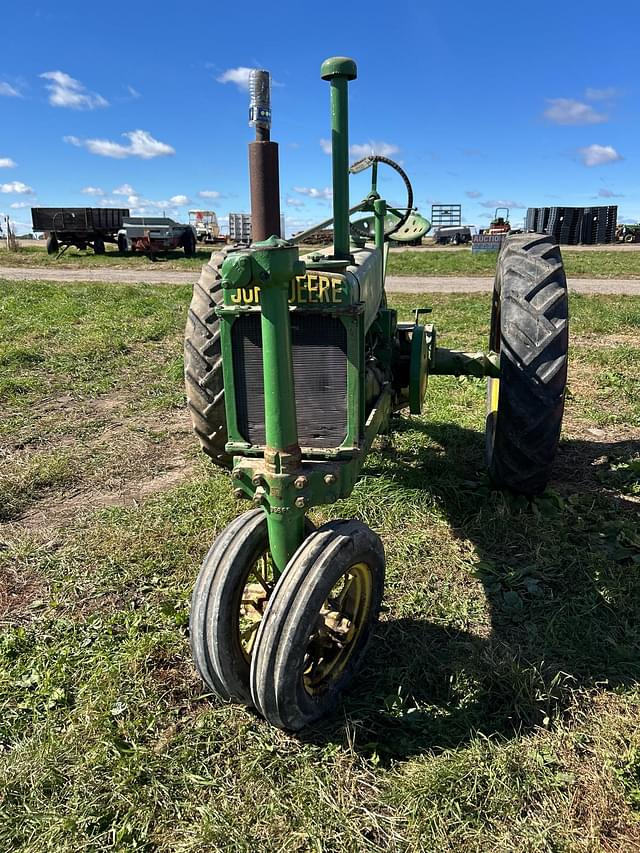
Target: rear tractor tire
{"x":203,"y":363}
{"x":98,"y":246}
{"x":317,"y":624}
{"x":529,"y":328}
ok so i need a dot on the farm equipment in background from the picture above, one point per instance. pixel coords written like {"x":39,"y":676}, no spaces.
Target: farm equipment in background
{"x":446,"y":215}
{"x":155,"y":234}
{"x":293,"y":366}
{"x":78,"y":226}
{"x":454,"y":234}
{"x":628,"y":233}
{"x":205,"y":225}
{"x":499,"y":224}
{"x":572,"y":226}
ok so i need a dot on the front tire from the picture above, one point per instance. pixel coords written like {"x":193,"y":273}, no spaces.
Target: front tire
{"x":529,"y":328}
{"x":230,"y":595}
{"x":316,"y":627}
{"x":215,"y":620}
{"x":52,"y":244}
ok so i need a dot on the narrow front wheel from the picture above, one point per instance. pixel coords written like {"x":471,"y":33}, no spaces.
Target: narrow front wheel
{"x":229,"y":598}
{"x":317,"y":624}
{"x":233,"y":586}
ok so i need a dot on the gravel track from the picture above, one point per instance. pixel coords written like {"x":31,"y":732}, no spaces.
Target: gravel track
{"x":395,"y":284}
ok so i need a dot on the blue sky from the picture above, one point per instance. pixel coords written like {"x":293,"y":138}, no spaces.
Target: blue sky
{"x":483,"y":104}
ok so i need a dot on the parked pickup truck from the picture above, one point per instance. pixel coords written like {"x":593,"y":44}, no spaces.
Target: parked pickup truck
{"x":153,"y":234}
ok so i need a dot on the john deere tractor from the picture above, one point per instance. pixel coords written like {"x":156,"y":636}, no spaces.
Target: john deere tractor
{"x":293,"y":367}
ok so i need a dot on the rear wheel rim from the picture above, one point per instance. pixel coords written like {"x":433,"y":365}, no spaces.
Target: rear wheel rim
{"x":493,"y":383}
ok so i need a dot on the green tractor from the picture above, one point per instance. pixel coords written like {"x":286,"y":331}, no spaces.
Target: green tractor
{"x":293,"y":367}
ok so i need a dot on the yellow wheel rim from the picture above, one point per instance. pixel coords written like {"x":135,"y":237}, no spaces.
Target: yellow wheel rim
{"x":493,"y":394}
{"x":493,"y":397}
{"x":258,"y":586}
{"x":338,"y":629}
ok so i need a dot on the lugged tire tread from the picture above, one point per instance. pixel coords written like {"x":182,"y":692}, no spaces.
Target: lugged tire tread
{"x":532,"y":292}
{"x":203,"y":362}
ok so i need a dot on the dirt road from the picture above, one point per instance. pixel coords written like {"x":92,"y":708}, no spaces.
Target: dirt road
{"x":395,"y":284}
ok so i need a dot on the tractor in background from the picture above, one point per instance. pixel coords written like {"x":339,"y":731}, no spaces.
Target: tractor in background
{"x":500,"y":224}
{"x":205,"y":226}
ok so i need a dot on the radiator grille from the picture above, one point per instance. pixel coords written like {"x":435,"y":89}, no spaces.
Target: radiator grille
{"x":319,"y":349}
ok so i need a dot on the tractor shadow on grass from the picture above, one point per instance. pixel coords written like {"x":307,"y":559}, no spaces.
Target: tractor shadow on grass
{"x":560,"y":582}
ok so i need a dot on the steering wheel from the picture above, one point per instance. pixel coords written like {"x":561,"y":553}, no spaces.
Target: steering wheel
{"x":372,"y":162}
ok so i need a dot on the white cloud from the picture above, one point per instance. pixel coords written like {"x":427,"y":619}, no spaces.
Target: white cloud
{"x":384,"y":149}
{"x":92,"y":191}
{"x":18,"y":205}
{"x":602,"y":94}
{"x":8,"y":90}
{"x":209,"y":194}
{"x":315,"y":192}
{"x":126,"y":196}
{"x":294,"y":202}
{"x":502,"y":202}
{"x":64,"y":91}
{"x":473,"y":193}
{"x":141,"y":144}
{"x":597,"y":155}
{"x":7,"y":163}
{"x":16,"y":187}
{"x":567,"y":111}
{"x":239,"y":76}
{"x":605,"y":193}
{"x":125,"y":189}
{"x":133,"y":92}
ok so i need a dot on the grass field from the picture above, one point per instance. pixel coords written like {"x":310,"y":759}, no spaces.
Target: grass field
{"x":498,"y":709}
{"x":579,"y":264}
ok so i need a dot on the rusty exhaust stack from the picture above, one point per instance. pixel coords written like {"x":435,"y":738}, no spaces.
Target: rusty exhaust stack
{"x":264,"y":176}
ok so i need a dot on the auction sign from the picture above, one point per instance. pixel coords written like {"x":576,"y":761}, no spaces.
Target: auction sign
{"x":486,"y":243}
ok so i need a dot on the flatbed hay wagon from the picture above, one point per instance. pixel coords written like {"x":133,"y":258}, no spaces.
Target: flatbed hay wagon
{"x":81,"y":227}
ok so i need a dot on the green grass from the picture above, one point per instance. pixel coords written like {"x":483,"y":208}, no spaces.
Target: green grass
{"x":605,"y":264}
{"x":36,"y":256}
{"x":579,"y":264}
{"x":498,"y":706}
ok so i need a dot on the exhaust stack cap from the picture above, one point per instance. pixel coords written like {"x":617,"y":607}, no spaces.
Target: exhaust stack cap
{"x":260,"y":98}
{"x":338,"y":66}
